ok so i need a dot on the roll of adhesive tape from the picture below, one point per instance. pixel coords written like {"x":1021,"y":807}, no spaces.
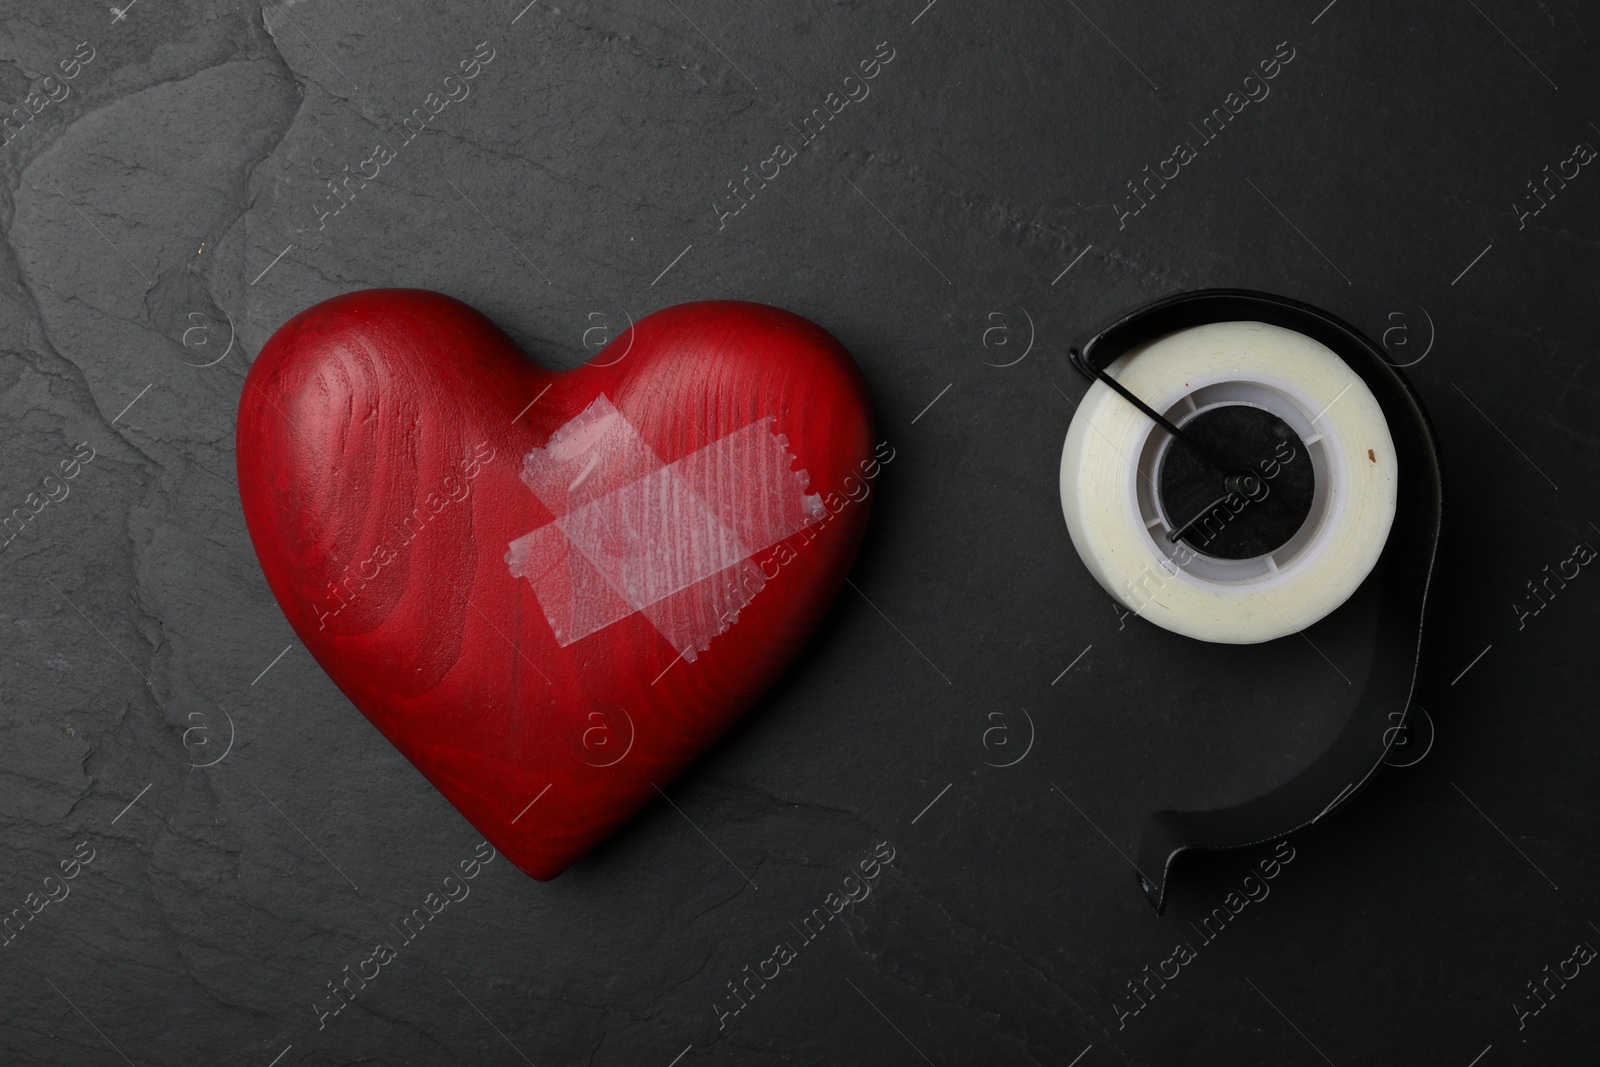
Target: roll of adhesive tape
{"x":1114,"y":453}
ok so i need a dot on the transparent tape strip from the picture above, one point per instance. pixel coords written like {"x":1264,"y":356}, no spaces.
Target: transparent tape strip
{"x":671,"y":541}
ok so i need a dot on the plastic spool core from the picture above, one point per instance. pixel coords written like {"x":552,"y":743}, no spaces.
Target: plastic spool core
{"x":1294,"y":495}
{"x":1308,"y":484}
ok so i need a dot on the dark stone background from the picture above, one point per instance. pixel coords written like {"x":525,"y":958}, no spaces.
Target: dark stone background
{"x":140,"y":214}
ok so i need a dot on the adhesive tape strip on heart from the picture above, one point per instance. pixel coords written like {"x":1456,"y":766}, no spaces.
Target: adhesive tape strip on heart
{"x":1112,"y":461}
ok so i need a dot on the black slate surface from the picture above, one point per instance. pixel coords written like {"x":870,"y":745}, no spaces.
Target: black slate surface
{"x":171,"y":197}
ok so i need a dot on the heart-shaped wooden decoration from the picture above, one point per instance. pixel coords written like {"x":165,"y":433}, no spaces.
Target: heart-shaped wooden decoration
{"x":551,"y":591}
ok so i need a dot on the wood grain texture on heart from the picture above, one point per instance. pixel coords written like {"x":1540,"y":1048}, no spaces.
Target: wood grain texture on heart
{"x":552,"y":587}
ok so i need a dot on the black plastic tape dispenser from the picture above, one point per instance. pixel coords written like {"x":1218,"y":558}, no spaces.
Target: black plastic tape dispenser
{"x":1242,"y":466}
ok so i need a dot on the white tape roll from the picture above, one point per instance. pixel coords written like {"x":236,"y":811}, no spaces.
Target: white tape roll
{"x":1113,"y":454}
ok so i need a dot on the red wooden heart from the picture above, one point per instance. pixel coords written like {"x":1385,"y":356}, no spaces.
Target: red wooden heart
{"x":552,"y":591}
